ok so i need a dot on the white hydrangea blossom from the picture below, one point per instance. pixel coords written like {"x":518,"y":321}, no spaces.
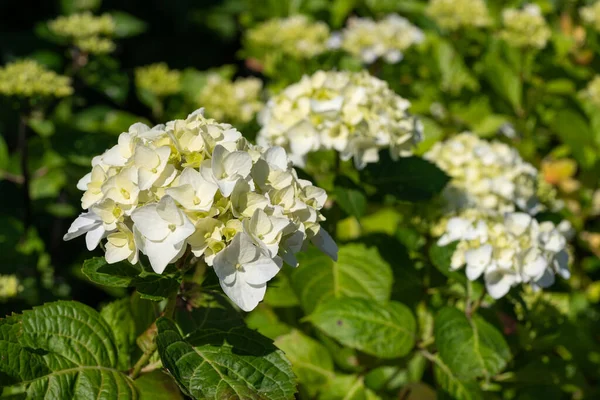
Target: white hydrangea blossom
{"x":198,"y":186}
{"x":507,"y":251}
{"x":353,"y":113}
{"x":591,"y":15}
{"x":456,"y":14}
{"x":486,"y":175}
{"x":525,"y":27}
{"x":369,"y":40}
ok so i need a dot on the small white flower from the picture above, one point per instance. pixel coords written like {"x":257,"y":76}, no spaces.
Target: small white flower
{"x":244,"y":270}
{"x":499,"y":281}
{"x":265,"y":230}
{"x":193,"y":191}
{"x":164,"y":228}
{"x":90,"y":225}
{"x":152,"y":164}
{"x":478,"y":261}
{"x":229,"y":167}
{"x":121,"y":246}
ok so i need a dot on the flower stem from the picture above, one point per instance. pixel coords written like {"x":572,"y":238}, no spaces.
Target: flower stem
{"x":167,"y":313}
{"x":23,"y":150}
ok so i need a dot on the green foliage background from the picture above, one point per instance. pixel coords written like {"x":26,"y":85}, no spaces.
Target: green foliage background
{"x":388,"y":319}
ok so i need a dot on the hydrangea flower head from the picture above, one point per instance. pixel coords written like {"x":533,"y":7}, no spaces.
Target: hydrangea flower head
{"x":526,"y":27}
{"x":369,"y":40}
{"x":591,"y":15}
{"x":355,"y":114}
{"x":507,"y":250}
{"x":88,"y":32}
{"x":297,"y":37}
{"x":234,"y":102}
{"x":27,"y":78}
{"x":486,"y":175}
{"x":197,"y":186}
{"x":455,"y":14}
{"x":158,"y":79}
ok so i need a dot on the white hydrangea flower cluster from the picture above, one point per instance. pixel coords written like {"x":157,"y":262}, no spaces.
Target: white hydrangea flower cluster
{"x":352,"y":112}
{"x":508,"y":251}
{"x":455,"y":14}
{"x":526,"y":27}
{"x":197,"y":185}
{"x":485,"y":175}
{"x":591,"y":15}
{"x":369,"y":40}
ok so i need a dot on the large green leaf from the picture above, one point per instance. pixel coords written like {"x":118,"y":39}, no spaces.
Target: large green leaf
{"x":383,"y":330}
{"x":158,"y":385}
{"x":451,"y":386}
{"x":347,"y":387}
{"x":471,"y":348}
{"x":116,"y":275}
{"x":350,"y":197}
{"x":78,"y":350}
{"x":311,"y":362}
{"x":408,"y":179}
{"x":575,"y":132}
{"x":229,"y":363}
{"x":359,"y":272}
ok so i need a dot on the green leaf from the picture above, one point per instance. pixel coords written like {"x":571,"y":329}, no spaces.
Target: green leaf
{"x":119,"y":317}
{"x":4,"y":154}
{"x":385,"y":331}
{"x":347,"y":387}
{"x":359,"y":272}
{"x":454,"y":73}
{"x":225,"y":363}
{"x":115,"y":275}
{"x":451,"y":386}
{"x":471,"y":348}
{"x":350,"y":197}
{"x":16,"y":362}
{"x":311,"y":362}
{"x":127,"y":25}
{"x":79,"y":352}
{"x":503,"y":79}
{"x":266,"y":322}
{"x":155,"y":287}
{"x":441,"y":258}
{"x":158,"y":385}
{"x":575,"y":132}
{"x":409,"y":179}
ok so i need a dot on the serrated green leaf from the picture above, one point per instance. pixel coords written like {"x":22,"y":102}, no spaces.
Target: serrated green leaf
{"x":311,"y":362}
{"x":155,"y":287}
{"x":451,"y":386}
{"x":471,"y":348}
{"x":383,"y":330}
{"x":359,"y":272}
{"x":79,"y":352}
{"x":158,"y":385}
{"x":217,"y":364}
{"x":408,"y":179}
{"x":16,"y":362}
{"x":115,"y":275}
{"x":211,"y":311}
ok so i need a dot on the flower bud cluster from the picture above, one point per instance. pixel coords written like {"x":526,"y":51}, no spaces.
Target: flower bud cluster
{"x":234,"y":102}
{"x":369,"y":40}
{"x":355,"y":114}
{"x":455,"y":14}
{"x":486,"y":175}
{"x":508,"y":250}
{"x":591,"y":15}
{"x":297,"y":37}
{"x":9,"y":287}
{"x":198,"y":186}
{"x":27,"y":78}
{"x":158,"y":79}
{"x":88,"y":32}
{"x":526,"y":27}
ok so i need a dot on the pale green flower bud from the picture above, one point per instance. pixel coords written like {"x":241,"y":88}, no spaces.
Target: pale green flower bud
{"x":27,"y":78}
{"x":158,"y":79}
{"x":88,"y":32}
{"x":526,"y":27}
{"x":455,"y":14}
{"x":9,"y":287}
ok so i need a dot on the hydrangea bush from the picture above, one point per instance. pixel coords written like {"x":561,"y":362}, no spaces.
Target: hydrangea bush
{"x":376,"y":200}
